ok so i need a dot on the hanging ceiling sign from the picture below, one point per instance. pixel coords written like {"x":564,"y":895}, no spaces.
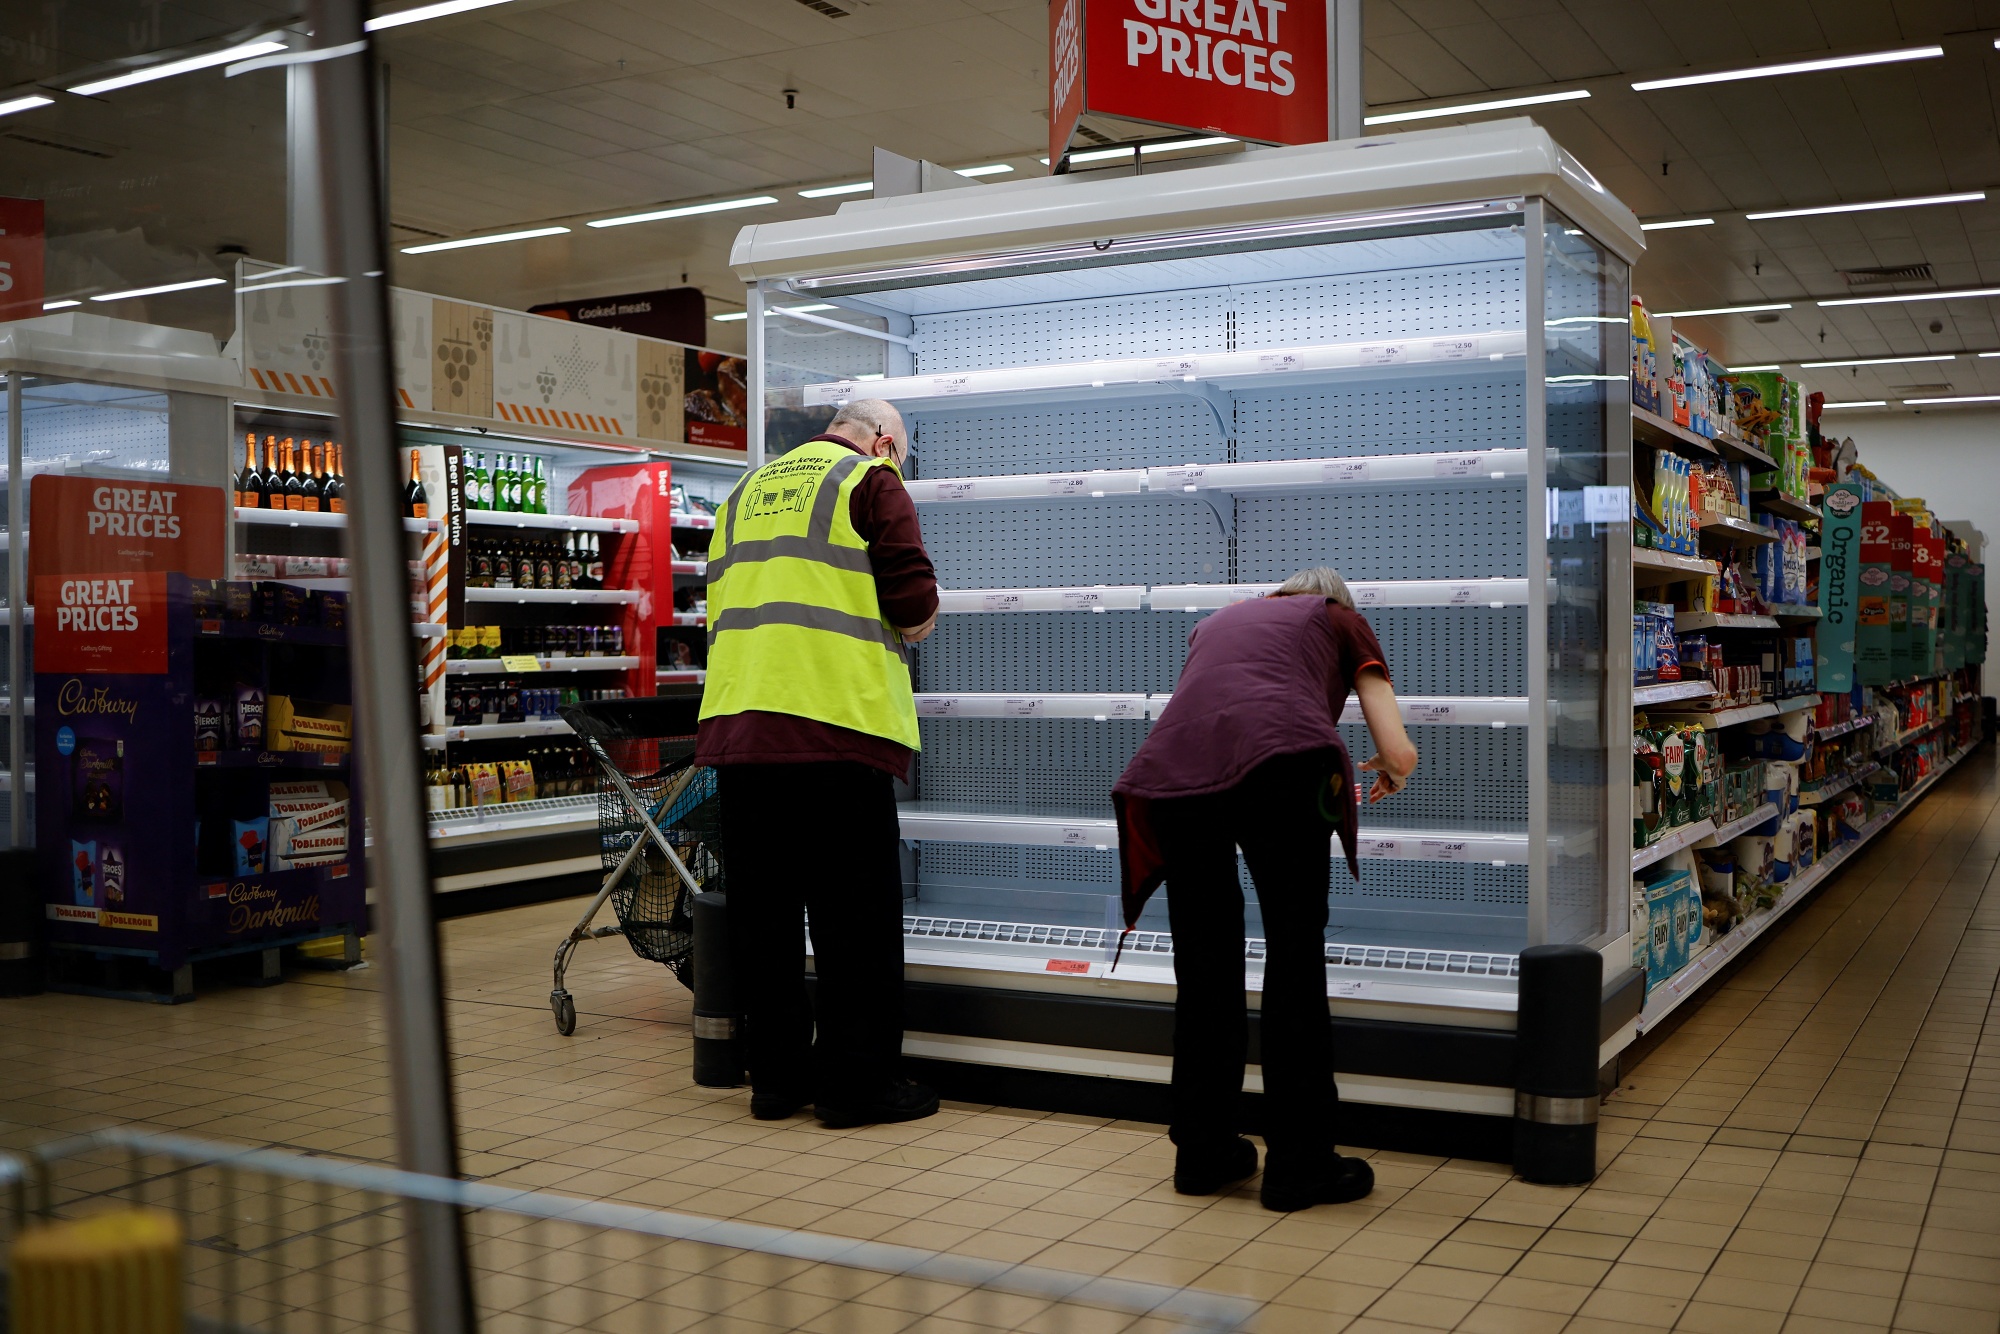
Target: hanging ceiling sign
{"x":1250,"y":69}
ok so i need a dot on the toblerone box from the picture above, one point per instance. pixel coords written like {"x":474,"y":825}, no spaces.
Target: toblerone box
{"x":332,"y":721}
{"x":1871,"y":620}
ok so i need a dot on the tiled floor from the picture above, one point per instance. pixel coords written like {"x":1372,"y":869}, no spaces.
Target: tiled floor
{"x":1816,"y":1148}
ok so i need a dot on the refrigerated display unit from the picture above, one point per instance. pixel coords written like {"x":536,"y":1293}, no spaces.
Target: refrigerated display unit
{"x":1136,"y":400}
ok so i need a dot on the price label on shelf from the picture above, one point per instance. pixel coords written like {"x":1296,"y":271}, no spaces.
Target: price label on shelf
{"x":1379,"y":849}
{"x":1002,"y":602}
{"x":1430,"y":713}
{"x":1458,"y":465}
{"x":1383,"y":354}
{"x":1076,"y":836}
{"x":1185,"y":479}
{"x":1082,"y":599}
{"x":1344,"y":470}
{"x":1368,"y":595}
{"x":1024,"y":706}
{"x":1075,"y":967}
{"x":938,"y":706}
{"x":1464,"y":595}
{"x":1454,"y":349}
{"x":1271,"y":362}
{"x":1176,"y":368}
{"x":1073,"y":484}
{"x":520,"y":662}
{"x":955,"y":490}
{"x":951,"y":384}
{"x":1348,"y":989}
{"x":1125,"y":708}
{"x":1443,"y":850}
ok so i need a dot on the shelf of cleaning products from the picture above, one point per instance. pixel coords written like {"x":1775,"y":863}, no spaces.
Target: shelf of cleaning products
{"x":514,"y":819}
{"x":1794,"y":611}
{"x":1742,"y":823}
{"x":562,"y":523}
{"x":1790,"y":507}
{"x":1649,"y":428}
{"x":574,"y":597}
{"x":1685,"y":621}
{"x":1665,"y":998}
{"x":316,"y":519}
{"x":1729,"y":717}
{"x":499,"y":667}
{"x":1737,"y":530}
{"x":1821,"y":795}
{"x":1798,"y":702}
{"x":443,"y":737}
{"x":1668,"y":692}
{"x":1905,"y":737}
{"x":1646,"y":561}
{"x":1196,"y":479}
{"x":1683,"y":836}
{"x":1164,"y":376}
{"x":1842,"y":729}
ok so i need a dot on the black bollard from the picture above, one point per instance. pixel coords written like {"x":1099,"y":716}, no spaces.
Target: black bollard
{"x":718,"y":1053}
{"x":1555,"y":1068}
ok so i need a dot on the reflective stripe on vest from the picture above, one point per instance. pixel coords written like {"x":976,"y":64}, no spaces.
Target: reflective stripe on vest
{"x":794,"y":623}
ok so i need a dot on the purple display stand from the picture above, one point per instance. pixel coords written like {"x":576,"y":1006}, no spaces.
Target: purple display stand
{"x":122,"y":785}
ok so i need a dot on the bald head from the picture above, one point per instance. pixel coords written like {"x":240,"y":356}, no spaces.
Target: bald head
{"x":873,"y":426}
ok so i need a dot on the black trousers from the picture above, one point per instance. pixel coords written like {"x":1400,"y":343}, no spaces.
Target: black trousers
{"x":816,"y":840}
{"x":1275,"y":816}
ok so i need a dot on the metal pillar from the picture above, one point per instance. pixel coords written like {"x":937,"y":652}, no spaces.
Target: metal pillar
{"x":17,"y":624}
{"x":385,"y":654}
{"x":1344,"y":101}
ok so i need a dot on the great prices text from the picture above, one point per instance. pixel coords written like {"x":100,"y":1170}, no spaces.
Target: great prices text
{"x":97,"y":606}
{"x":133,"y":511}
{"x":1234,"y":42}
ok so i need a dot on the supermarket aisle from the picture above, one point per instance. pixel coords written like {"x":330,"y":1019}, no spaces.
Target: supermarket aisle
{"x":1816,"y":1148}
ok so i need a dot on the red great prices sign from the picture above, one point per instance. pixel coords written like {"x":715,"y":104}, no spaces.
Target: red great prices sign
{"x":1250,"y":69}
{"x":115,"y":624}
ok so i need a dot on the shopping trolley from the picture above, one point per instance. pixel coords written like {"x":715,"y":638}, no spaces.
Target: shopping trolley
{"x":660,"y":828}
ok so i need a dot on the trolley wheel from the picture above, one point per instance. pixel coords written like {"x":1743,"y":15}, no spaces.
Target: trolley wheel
{"x":565,"y":1009}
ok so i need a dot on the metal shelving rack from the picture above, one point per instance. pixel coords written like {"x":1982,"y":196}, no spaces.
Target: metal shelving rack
{"x":1136,"y":401}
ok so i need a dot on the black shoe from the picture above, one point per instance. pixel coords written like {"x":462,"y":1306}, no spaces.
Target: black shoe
{"x":899,"y":1100}
{"x":1208,"y":1168}
{"x":778,"y":1106}
{"x":1334,"y":1182}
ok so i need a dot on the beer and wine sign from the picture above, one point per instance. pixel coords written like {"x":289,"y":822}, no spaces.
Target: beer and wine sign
{"x":159,"y":769}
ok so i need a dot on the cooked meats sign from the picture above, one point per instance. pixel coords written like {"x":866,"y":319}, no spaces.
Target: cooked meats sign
{"x":1250,"y":69}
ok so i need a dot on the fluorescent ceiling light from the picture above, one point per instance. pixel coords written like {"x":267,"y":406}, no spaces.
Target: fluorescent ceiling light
{"x":1670,"y":226}
{"x":1125,"y":150}
{"x":167,"y":69}
{"x":422,"y":12}
{"x":155,"y":291}
{"x":1876,"y":361}
{"x":990,"y":169}
{"x":684,"y":211}
{"x":465,"y":241}
{"x":825,"y":191}
{"x":1752,"y":370}
{"x":1910,"y":296}
{"x":1728,"y":310}
{"x":1469,"y":108}
{"x":27,"y":103}
{"x":1967,"y":197}
{"x":64,"y":304}
{"x":1991,"y":354}
{"x":1791,"y":67}
{"x":729,"y":315}
{"x":1857,"y":403}
{"x":1959,"y":398}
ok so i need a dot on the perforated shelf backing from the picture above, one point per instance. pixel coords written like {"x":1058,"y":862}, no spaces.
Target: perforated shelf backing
{"x":1050,"y":438}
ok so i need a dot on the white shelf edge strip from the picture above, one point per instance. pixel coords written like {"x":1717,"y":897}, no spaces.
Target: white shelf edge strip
{"x":1212,"y":597}
{"x":1742,"y":822}
{"x":574,"y":523}
{"x":1463,"y":710}
{"x":495,"y":667}
{"x":1195,"y":478}
{"x":1258,"y":363}
{"x":1684,"y":837}
{"x":1385,"y":844}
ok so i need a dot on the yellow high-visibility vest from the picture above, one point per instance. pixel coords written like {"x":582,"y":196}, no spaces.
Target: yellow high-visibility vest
{"x":794,"y":625}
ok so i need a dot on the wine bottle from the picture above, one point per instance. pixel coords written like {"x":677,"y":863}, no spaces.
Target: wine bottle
{"x":295,"y":485}
{"x":274,"y":481}
{"x":336,"y":482}
{"x":309,"y":483}
{"x":250,"y":482}
{"x":416,"y":504}
{"x":594,"y":564}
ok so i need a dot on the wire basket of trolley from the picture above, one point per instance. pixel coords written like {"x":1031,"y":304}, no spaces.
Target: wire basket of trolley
{"x":660,"y":828}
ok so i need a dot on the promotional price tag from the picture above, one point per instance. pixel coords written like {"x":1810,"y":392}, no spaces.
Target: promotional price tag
{"x":1024,"y":707}
{"x":1073,"y":485}
{"x":1379,"y":849}
{"x":1454,"y":349}
{"x":1443,"y":850}
{"x":520,"y":662}
{"x":1082,"y":599}
{"x":950,"y":384}
{"x":1344,"y":470}
{"x":1429,"y":713}
{"x":955,"y":490}
{"x":1001,"y":602}
{"x":1458,"y":465}
{"x":1270,"y":362}
{"x":938,"y":706}
{"x":1383,"y":354}
{"x":1078,"y":967}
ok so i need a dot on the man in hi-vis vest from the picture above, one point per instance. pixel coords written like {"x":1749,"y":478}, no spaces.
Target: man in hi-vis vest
{"x":817,"y":584}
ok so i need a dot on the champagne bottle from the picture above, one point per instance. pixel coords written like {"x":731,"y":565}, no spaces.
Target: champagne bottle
{"x":336,"y":485}
{"x":274,"y":480}
{"x":309,"y":483}
{"x":295,"y":487}
{"x":416,"y":504}
{"x":250,"y":482}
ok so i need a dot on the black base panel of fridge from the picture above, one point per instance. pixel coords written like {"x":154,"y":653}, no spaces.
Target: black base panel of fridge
{"x":1361,"y":1125}
{"x":452,"y":903}
{"x":526,"y":854}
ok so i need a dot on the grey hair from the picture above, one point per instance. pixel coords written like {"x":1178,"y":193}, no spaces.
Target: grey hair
{"x":873,"y":413}
{"x":1317,"y":582}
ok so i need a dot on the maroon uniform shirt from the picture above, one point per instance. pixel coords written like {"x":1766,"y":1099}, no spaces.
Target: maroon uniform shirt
{"x":905,"y":584}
